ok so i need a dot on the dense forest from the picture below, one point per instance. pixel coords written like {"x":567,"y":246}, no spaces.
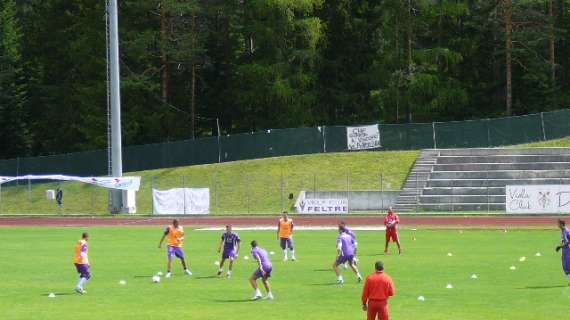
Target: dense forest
{"x":260,"y":64}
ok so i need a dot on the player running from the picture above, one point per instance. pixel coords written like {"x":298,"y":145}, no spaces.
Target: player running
{"x":285,"y":235}
{"x":352,"y":234}
{"x":565,"y":246}
{"x":263,"y":271}
{"x":81,"y":262}
{"x":345,"y":253}
{"x":231,"y":243}
{"x":391,"y":222}
{"x":174,"y":235}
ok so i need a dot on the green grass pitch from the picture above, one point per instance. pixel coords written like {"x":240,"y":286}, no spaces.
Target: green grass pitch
{"x":35,"y":261}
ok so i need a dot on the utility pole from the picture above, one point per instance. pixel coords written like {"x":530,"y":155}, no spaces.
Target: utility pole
{"x":115,"y":196}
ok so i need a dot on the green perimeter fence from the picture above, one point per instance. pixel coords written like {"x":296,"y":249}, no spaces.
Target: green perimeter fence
{"x":284,"y":142}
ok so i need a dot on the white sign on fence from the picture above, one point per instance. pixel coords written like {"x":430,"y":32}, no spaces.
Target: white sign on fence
{"x":119,"y":183}
{"x":320,"y":206}
{"x":181,"y":201}
{"x":538,"y":199}
{"x":364,"y":137}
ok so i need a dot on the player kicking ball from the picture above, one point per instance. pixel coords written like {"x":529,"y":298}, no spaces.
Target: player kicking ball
{"x":231,"y":244}
{"x":391,"y":222}
{"x":285,"y":235}
{"x":263,"y":271}
{"x":565,"y":246}
{"x":81,"y":262}
{"x":174,"y":235}
{"x":345,"y":253}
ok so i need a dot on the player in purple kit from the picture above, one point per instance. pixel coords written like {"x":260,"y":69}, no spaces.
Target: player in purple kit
{"x":351,"y":233}
{"x":345,"y":253}
{"x":231,"y":243}
{"x":263,"y":271}
{"x":565,"y":246}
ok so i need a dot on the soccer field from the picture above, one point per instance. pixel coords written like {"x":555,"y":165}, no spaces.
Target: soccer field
{"x":35,"y":261}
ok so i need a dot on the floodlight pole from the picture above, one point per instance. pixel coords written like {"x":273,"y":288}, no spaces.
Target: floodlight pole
{"x":116,"y":196}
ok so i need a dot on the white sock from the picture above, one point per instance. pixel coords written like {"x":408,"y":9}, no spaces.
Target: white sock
{"x":229,"y":272}
{"x":339,"y":278}
{"x":358,"y":275}
{"x":292,"y":253}
{"x":257,"y":292}
{"x":269,"y":294}
{"x":221,"y":270}
{"x":81,"y":282}
{"x":285,"y":254}
{"x":568,"y":276}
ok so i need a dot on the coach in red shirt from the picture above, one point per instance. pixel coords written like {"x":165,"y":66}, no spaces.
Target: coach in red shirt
{"x":377,"y":289}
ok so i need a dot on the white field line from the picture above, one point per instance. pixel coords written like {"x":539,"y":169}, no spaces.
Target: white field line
{"x":304,"y":228}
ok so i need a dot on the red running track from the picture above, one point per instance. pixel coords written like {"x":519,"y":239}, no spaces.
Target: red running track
{"x":412,"y":220}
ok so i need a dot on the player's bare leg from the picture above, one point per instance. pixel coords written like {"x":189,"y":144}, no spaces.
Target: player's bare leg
{"x":230,"y":268}
{"x":355,"y":269}
{"x":399,"y":246}
{"x":339,"y":278}
{"x":386,"y":246}
{"x":253,"y":282}
{"x":169,"y":267}
{"x":185,"y":266}
{"x":267,"y":288}
{"x":222,"y":266}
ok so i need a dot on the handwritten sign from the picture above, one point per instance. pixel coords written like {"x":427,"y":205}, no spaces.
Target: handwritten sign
{"x":364,"y":137}
{"x":538,"y":198}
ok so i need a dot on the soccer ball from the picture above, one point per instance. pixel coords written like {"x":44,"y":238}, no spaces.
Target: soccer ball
{"x":156,"y":279}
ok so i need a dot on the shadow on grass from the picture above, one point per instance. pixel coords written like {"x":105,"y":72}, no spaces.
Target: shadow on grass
{"x":208,"y":277}
{"x":543,"y":287}
{"x":234,"y":300}
{"x":327,"y":284}
{"x":323,"y":270}
{"x":148,"y":276}
{"x":60,"y":294}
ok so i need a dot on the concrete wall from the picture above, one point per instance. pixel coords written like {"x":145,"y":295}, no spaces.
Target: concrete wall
{"x":359,"y":200}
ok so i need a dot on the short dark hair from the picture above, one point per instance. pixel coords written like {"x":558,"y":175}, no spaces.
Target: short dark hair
{"x":254,"y":244}
{"x":379,"y":265}
{"x":85,"y":235}
{"x":562,"y":222}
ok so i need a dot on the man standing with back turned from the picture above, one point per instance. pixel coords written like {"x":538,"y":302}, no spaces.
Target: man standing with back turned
{"x":565,"y":246}
{"x":377,"y":289}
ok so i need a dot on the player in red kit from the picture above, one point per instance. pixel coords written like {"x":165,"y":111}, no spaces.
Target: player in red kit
{"x":391,"y":222}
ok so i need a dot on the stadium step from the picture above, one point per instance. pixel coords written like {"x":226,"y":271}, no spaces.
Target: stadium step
{"x":476,"y":179}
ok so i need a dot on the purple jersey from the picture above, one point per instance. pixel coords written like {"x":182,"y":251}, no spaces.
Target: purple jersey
{"x":346,"y":244}
{"x":261,"y":255}
{"x":350,"y":233}
{"x":230,"y":241}
{"x":566,"y":237}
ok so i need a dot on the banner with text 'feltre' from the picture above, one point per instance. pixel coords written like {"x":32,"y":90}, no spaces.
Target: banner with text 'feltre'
{"x":538,"y":198}
{"x":363,"y":137}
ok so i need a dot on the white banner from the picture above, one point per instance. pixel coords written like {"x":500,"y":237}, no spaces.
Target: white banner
{"x":120,"y":183}
{"x":181,"y":201}
{"x":538,"y":198}
{"x":364,"y":137}
{"x":320,"y":206}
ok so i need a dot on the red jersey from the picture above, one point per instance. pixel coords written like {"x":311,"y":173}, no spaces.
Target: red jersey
{"x":378,"y":286}
{"x":391,"y":221}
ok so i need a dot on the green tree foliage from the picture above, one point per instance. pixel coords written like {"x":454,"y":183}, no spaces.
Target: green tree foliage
{"x":260,"y":64}
{"x":16,"y":139}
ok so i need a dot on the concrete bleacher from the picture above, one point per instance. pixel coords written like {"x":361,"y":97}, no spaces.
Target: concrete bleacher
{"x":475,"y":179}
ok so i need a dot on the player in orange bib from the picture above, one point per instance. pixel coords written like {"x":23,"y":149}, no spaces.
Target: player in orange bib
{"x":81,"y":262}
{"x":174,"y":235}
{"x":285,"y":235}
